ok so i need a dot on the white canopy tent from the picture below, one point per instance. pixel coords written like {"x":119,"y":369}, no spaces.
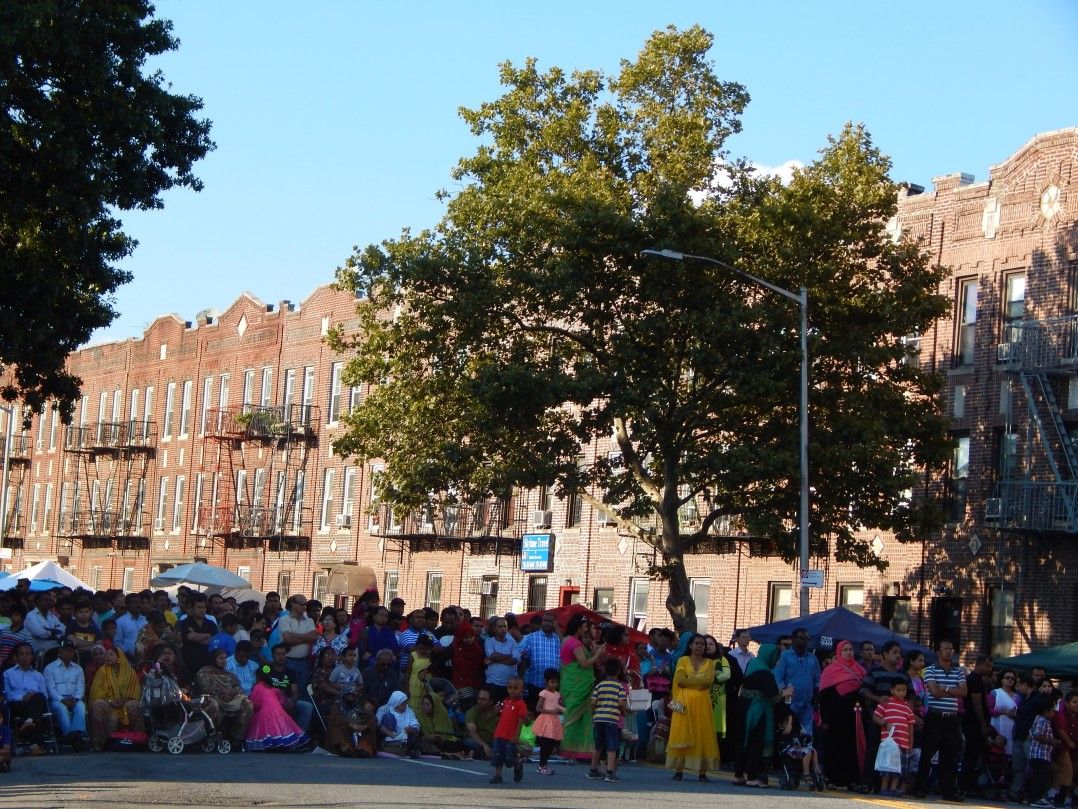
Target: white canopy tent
{"x":44,"y":571}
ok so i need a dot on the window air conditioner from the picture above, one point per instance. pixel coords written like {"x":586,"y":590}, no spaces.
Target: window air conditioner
{"x":1007,"y":352}
{"x":344,"y":521}
{"x":489,"y":587}
{"x":541,"y":519}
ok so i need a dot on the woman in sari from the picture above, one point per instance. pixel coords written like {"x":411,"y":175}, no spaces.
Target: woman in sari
{"x":224,"y":698}
{"x":692,"y":743}
{"x":759,"y":693}
{"x":271,"y":728}
{"x":114,"y":699}
{"x":350,"y":727}
{"x":436,"y":736}
{"x":713,"y":651}
{"x":578,"y":660}
{"x":840,"y":716}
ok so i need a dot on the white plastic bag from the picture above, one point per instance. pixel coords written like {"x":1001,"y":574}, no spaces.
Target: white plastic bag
{"x":889,"y":756}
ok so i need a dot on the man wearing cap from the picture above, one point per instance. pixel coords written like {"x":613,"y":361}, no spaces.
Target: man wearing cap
{"x":298,"y":631}
{"x":66,"y":688}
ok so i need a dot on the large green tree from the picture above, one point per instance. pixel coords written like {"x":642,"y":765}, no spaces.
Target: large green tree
{"x":527,"y":324}
{"x":86,"y":131}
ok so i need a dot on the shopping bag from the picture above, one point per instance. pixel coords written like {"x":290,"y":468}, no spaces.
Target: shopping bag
{"x":889,"y":756}
{"x":639,"y":698}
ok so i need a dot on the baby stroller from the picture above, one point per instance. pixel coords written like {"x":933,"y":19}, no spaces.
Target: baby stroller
{"x":175,"y":721}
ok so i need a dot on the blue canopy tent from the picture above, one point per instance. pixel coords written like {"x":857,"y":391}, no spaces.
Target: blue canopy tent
{"x":827,"y":628}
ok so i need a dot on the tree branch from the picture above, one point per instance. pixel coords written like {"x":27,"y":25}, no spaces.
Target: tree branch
{"x":632,"y":459}
{"x":638,"y":531}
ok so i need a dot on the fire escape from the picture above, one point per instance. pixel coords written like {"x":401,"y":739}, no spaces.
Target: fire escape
{"x":1042,"y":360}
{"x":489,"y":526}
{"x":111,"y":465}
{"x":18,"y":465}
{"x":263,"y":503}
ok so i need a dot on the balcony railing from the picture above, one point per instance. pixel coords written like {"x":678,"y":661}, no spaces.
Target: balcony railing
{"x":486,"y":519}
{"x":262,"y":422}
{"x":20,"y":448}
{"x":253,"y":521}
{"x":99,"y":523}
{"x":1049,"y":345}
{"x":111,"y":437}
{"x":1028,"y":505}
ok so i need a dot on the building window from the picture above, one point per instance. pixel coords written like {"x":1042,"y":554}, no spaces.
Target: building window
{"x":334,"y":392}
{"x":852,"y":597}
{"x":297,"y":500}
{"x":318,"y":585}
{"x":488,"y":596}
{"x":536,"y":593}
{"x":778,"y":602}
{"x":1002,"y":630}
{"x":546,"y":499}
{"x":35,"y":502}
{"x":639,"y":593}
{"x":959,"y":410}
{"x":574,"y":511}
{"x":392,"y":588}
{"x":207,"y":394}
{"x":355,"y":396}
{"x":147,"y":409}
{"x":289,"y":392}
{"x":185,"y":408}
{"x":170,"y":404}
{"x":967,"y":321}
{"x":196,"y":512}
{"x":348,"y":492}
{"x":244,"y":572}
{"x":604,"y":601}
{"x":284,"y":584}
{"x":1008,"y":456}
{"x":267,"y":387}
{"x":248,"y":387}
{"x":957,"y":482}
{"x":700,"y":590}
{"x":327,"y":499}
{"x":95,"y":578}
{"x":162,"y":498}
{"x":1014,"y":307}
{"x":46,"y":511}
{"x":54,"y":423}
{"x":41,"y":421}
{"x":177,"y":505}
{"x":434,"y":591}
{"x":308,"y":394}
{"x":128,"y":580}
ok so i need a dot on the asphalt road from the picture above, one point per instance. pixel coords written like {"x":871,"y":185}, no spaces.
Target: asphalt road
{"x":305,"y":781}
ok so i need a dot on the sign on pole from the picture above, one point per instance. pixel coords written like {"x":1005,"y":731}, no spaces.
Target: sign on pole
{"x":812,"y":578}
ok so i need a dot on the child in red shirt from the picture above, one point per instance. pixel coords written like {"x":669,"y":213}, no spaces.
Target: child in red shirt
{"x":893,"y":714}
{"x":503,"y":751}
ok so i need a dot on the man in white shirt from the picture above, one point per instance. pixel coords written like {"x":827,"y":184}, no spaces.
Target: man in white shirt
{"x":44,"y":625}
{"x":740,"y":651}
{"x":298,"y":631}
{"x":66,"y":686}
{"x":128,"y":626}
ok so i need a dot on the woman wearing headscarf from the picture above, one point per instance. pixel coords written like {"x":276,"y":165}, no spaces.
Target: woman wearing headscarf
{"x":114,"y":699}
{"x":350,"y":727}
{"x":840,"y":716}
{"x":692,"y":743}
{"x":578,"y":660}
{"x":759,"y":693}
{"x":467,"y":668}
{"x":224,"y":697}
{"x":436,"y":736}
{"x":398,"y":725}
{"x":713,"y":651}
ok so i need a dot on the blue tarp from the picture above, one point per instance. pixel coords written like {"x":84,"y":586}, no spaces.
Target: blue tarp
{"x":827,"y":628}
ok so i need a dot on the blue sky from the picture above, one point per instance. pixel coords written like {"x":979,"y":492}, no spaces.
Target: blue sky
{"x":336,"y":122}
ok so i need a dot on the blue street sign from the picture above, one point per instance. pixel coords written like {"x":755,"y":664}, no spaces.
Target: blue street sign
{"x":537,"y":553}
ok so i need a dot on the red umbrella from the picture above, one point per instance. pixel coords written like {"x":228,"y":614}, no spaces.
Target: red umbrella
{"x":563,"y":614}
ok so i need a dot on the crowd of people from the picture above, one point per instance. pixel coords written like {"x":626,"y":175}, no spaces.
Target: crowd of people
{"x":92,"y":668}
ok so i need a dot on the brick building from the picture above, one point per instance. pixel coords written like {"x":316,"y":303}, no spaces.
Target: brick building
{"x":212,"y":440}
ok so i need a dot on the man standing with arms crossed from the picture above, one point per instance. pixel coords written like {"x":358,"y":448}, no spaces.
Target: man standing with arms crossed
{"x":945,"y":685}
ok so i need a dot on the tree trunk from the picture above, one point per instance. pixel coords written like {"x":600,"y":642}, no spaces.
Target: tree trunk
{"x":679,"y":601}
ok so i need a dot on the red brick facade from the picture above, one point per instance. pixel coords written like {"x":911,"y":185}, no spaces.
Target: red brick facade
{"x":271,"y":467}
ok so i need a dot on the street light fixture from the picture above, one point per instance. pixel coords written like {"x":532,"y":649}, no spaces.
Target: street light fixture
{"x":802,"y":301}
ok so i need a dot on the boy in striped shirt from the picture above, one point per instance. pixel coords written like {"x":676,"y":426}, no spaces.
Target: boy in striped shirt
{"x":608,"y":706}
{"x":893,"y":714}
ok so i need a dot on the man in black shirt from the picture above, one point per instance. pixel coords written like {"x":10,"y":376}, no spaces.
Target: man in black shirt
{"x":277,"y":675}
{"x":976,"y":727}
{"x":876,"y":689}
{"x":1023,"y":721}
{"x":196,"y":630}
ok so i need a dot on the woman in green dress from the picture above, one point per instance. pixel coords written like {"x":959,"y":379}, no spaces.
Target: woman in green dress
{"x":578,"y":661}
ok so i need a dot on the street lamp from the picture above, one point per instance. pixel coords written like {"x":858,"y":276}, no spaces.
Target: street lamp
{"x":802,"y":301}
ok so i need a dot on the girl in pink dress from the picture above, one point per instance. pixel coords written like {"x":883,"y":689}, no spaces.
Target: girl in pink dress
{"x":271,"y":727}
{"x":547,"y":727}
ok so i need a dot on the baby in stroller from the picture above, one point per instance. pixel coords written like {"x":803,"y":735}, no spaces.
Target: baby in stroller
{"x":797,"y":756}
{"x":997,"y":766}
{"x":174,"y":720}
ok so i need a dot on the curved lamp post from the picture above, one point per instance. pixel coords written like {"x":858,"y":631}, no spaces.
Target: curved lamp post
{"x":801,"y":299}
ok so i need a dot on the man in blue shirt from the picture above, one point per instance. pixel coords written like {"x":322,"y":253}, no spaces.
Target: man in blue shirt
{"x":224,"y":639}
{"x":541,"y":650}
{"x":25,"y":691}
{"x":799,"y":668}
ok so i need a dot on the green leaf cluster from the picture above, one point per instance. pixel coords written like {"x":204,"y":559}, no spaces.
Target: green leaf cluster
{"x":527,"y":325}
{"x":85,"y":131}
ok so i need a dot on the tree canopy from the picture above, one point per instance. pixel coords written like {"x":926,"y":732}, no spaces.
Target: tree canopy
{"x":527,"y":324}
{"x":86,"y":131}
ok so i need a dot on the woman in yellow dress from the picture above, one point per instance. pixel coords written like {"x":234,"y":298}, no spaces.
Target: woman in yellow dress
{"x":692,"y":743}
